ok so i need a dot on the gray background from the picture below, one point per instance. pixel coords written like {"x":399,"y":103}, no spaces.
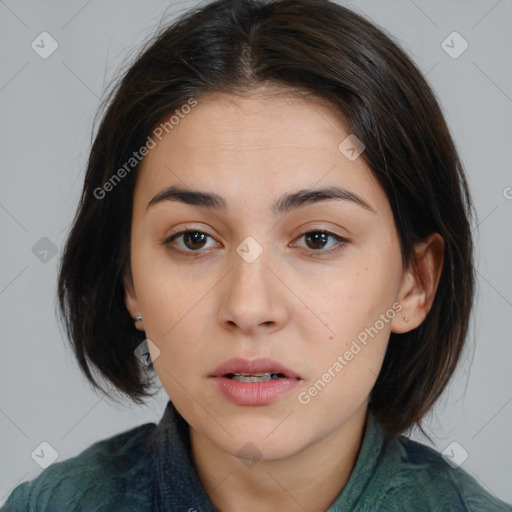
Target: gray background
{"x":47,"y":108}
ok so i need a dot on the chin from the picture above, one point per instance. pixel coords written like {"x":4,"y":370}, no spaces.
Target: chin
{"x":272,"y":439}
{"x":251,"y":450}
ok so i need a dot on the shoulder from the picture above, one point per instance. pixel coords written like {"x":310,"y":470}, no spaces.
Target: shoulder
{"x":116,"y":470}
{"x":428,"y":482}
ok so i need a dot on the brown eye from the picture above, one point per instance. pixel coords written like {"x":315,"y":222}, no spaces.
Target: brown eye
{"x":317,"y":240}
{"x":193,"y":241}
{"x":196,"y":239}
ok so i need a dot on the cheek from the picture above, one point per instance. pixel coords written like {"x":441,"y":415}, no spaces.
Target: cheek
{"x":341,"y":306}
{"x":346,"y":339}
{"x":172,"y":302}
{"x":342,"y":378}
{"x":171,"y":294}
{"x":179,"y":365}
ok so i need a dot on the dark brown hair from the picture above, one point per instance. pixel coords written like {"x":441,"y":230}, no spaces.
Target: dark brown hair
{"x":338,"y":57}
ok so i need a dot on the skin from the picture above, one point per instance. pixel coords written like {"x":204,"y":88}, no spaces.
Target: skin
{"x":290,"y":304}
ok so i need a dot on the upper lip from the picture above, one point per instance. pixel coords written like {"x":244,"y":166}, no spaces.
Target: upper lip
{"x":259,"y":365}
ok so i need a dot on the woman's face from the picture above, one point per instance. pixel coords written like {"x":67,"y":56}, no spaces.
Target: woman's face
{"x":254,"y":280}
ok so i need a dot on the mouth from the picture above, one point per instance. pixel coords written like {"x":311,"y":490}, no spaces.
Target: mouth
{"x":256,"y":377}
{"x":255,"y":370}
{"x":254,"y":382}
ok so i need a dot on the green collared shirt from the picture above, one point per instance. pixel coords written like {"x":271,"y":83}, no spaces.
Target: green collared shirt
{"x":150,"y":468}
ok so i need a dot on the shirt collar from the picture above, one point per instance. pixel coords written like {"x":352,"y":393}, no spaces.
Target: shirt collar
{"x":374,"y":449}
{"x":181,"y":489}
{"x":179,"y":484}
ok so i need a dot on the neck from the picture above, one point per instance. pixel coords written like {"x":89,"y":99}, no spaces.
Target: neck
{"x":309,"y":479}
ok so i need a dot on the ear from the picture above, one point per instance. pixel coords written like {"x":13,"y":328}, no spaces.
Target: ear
{"x":419,"y":284}
{"x":131,"y":301}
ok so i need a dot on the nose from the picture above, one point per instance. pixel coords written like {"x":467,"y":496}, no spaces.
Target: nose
{"x":254,"y":296}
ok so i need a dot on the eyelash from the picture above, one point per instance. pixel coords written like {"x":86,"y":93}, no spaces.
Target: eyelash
{"x":342,"y":242}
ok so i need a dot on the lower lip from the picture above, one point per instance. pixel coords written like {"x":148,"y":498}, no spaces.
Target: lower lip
{"x":254,"y":393}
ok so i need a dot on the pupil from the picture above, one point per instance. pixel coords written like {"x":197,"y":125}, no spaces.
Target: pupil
{"x":315,"y":235}
{"x":191,"y":236}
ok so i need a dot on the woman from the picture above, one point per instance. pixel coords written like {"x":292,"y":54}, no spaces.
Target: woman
{"x":274,"y":222}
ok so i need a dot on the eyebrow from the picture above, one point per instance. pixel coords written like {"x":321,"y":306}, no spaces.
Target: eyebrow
{"x":284,"y":204}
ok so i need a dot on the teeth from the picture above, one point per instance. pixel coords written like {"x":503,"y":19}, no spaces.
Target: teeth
{"x":254,"y":377}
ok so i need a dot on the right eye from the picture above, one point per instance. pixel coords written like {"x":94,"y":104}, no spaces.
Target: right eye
{"x":192,"y":239}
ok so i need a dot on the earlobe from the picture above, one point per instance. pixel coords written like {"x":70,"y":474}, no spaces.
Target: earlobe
{"x":420,"y":284}
{"x":132,"y":303}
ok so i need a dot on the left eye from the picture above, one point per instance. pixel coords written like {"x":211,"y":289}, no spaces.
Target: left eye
{"x":320,"y":238}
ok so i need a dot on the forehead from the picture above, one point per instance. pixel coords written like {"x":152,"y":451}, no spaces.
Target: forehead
{"x":255,"y":147}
